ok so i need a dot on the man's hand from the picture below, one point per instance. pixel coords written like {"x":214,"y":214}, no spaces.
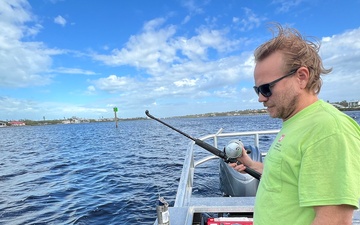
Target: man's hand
{"x":245,"y":161}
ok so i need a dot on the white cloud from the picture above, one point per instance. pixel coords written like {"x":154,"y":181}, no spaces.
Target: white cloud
{"x":91,"y":88}
{"x":114,"y":84}
{"x":157,"y":48}
{"x":14,"y":108}
{"x":161,"y":89}
{"x":60,"y":20}
{"x":285,"y":5}
{"x":186,"y":19}
{"x":193,"y":6}
{"x":150,"y":50}
{"x":249,"y":21}
{"x":227,"y":92}
{"x":73,"y":71}
{"x":171,"y":60}
{"x":197,"y":47}
{"x":347,"y":45}
{"x":13,"y":13}
{"x":185,"y":68}
{"x":80,"y":110}
{"x":186,"y":82}
{"x":342,"y":53}
{"x":22,"y":63}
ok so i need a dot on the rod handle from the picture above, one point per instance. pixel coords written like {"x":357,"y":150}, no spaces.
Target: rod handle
{"x":253,"y":173}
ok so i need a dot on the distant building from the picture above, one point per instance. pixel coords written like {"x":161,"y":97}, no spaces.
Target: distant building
{"x":354,"y":104}
{"x":17,"y":123}
{"x":2,"y":124}
{"x":338,"y":106}
{"x":69,"y":121}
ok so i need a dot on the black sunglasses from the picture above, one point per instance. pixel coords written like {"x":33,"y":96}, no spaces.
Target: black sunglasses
{"x":265,"y":90}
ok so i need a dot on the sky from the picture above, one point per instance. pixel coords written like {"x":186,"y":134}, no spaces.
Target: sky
{"x":79,"y":58}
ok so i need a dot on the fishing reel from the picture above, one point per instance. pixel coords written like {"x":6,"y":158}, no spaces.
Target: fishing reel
{"x":233,"y":150}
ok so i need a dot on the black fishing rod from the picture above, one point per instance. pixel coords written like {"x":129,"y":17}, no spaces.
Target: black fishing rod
{"x":206,"y":146}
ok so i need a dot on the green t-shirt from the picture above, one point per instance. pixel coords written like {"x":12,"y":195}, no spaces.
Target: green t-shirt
{"x":314,"y":161}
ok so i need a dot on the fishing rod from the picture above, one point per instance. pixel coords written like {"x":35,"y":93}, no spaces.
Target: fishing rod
{"x":208,"y":147}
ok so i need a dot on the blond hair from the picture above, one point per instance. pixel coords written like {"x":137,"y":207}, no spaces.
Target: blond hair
{"x":297,"y":51}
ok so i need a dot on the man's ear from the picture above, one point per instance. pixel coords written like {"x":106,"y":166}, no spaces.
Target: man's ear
{"x":303,"y":76}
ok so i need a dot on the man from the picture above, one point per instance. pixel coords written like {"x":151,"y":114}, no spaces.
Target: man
{"x":311,"y":174}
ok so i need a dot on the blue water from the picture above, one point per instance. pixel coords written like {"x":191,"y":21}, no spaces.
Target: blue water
{"x":95,"y":173}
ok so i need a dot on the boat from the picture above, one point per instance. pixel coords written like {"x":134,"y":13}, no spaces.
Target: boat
{"x":236,"y":205}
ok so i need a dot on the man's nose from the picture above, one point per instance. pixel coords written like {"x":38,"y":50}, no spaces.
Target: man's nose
{"x":262,"y":98}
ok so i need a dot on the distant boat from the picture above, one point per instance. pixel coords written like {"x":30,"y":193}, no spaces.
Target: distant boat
{"x":2,"y":124}
{"x":17,"y":123}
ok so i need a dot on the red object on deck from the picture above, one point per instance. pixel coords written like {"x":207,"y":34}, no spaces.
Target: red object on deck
{"x":230,"y":221}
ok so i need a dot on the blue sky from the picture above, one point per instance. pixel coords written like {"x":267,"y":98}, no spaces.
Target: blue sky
{"x":64,"y":58}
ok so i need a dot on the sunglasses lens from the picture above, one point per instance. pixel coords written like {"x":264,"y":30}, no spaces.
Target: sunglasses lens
{"x":263,"y":89}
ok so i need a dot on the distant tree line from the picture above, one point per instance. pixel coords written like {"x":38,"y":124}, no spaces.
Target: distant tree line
{"x":343,"y":103}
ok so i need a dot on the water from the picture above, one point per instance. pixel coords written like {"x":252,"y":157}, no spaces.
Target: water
{"x":96,"y":174}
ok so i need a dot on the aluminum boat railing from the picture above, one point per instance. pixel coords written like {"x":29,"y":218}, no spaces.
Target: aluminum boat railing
{"x":184,"y":192}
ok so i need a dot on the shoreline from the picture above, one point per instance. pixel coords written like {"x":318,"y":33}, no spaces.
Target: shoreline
{"x":213,"y":114}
